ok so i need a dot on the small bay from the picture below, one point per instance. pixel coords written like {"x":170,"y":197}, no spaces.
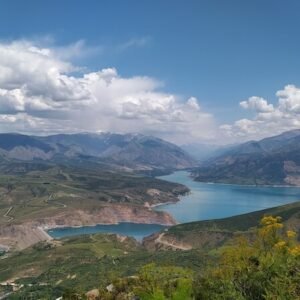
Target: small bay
{"x":136,"y":230}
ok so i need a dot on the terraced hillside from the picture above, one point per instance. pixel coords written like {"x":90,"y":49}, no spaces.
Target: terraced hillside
{"x":34,"y":196}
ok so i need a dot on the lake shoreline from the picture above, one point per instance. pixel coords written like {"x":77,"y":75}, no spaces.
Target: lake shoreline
{"x":250,"y":185}
{"x":240,"y":184}
{"x":48,"y":228}
{"x":210,"y":200}
{"x":247,"y":198}
{"x":133,"y":230}
{"x":181,"y":200}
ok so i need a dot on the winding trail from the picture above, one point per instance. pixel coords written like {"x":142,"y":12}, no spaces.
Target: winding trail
{"x":5,"y":295}
{"x":55,"y":202}
{"x":6,"y":215}
{"x":10,"y":218}
{"x":172,"y":245}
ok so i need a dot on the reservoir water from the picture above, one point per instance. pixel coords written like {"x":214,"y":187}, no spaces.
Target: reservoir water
{"x":138,"y":231}
{"x":205,"y":201}
{"x":212,"y":201}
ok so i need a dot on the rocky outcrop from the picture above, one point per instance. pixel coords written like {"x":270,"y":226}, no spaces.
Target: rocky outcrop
{"x":107,"y":214}
{"x":20,"y":236}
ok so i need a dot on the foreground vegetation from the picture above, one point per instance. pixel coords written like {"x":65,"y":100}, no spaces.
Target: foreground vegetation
{"x":267,"y":267}
{"x":263,"y":265}
{"x":78,"y":264}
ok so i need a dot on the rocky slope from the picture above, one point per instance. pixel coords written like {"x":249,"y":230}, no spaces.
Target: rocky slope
{"x":18,"y":236}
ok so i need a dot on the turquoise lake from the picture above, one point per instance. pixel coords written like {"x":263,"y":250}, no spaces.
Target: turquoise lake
{"x":138,"y":231}
{"x":212,"y":201}
{"x":206,"y":201}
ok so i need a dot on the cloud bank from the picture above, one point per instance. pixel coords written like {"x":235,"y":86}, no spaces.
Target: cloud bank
{"x":269,"y":119}
{"x":42,"y":91}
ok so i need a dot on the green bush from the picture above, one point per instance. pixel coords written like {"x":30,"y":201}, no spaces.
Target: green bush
{"x":266,"y":268}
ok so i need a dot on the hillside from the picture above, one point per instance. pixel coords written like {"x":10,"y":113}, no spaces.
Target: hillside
{"x":87,"y":262}
{"x":215,"y":233}
{"x":271,"y":161}
{"x":34,"y":195}
{"x":131,"y":151}
{"x":83,"y":263}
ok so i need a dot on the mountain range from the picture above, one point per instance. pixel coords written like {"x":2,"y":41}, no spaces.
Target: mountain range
{"x":271,"y":161}
{"x":133,"y":151}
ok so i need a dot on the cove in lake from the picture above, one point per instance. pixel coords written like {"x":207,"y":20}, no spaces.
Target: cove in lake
{"x":206,"y":201}
{"x":138,"y":231}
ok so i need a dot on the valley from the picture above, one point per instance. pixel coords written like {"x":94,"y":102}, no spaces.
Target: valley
{"x":149,"y":150}
{"x":86,"y":188}
{"x":75,"y":221}
{"x":203,"y":202}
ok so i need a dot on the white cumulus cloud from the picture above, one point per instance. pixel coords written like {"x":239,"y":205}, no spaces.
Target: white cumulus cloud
{"x":39,"y":93}
{"x":258,"y":104}
{"x":269,"y":119}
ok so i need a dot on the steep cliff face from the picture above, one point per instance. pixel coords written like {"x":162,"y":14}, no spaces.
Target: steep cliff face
{"x":107,"y":214}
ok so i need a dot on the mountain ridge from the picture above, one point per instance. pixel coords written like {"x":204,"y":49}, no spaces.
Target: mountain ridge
{"x":135,"y":151}
{"x":270,"y":161}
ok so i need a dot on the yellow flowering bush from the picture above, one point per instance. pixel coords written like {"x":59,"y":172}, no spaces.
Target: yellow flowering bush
{"x":266,"y":266}
{"x":291,"y":234}
{"x":295,"y":251}
{"x":280,"y":245}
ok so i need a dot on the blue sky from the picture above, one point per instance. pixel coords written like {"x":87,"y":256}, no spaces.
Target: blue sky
{"x":221,"y":52}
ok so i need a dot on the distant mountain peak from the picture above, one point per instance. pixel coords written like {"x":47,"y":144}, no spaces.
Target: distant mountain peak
{"x":134,"y":150}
